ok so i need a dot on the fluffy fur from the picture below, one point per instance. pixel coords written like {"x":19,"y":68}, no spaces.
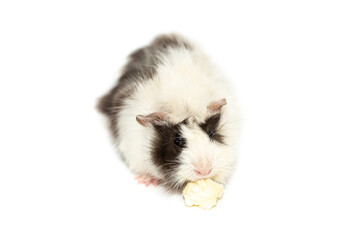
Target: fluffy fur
{"x":173,"y":77}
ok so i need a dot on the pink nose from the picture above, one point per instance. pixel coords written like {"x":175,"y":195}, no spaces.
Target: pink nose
{"x":203,"y":171}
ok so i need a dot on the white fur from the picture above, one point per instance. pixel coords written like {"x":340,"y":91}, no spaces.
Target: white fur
{"x":185,"y":83}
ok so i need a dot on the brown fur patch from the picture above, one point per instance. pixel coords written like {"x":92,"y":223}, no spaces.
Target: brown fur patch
{"x":164,"y":152}
{"x":211,"y":125}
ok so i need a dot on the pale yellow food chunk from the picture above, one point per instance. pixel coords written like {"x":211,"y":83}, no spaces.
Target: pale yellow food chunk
{"x":203,"y":193}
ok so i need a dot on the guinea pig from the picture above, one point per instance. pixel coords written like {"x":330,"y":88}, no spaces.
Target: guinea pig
{"x":172,"y":115}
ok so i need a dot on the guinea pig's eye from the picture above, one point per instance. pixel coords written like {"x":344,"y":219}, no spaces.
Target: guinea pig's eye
{"x":179,"y":141}
{"x":210,"y":134}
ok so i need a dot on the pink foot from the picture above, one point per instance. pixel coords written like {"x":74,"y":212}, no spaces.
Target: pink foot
{"x":145,"y":179}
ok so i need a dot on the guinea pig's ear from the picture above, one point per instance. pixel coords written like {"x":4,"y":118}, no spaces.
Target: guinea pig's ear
{"x":153,"y":118}
{"x":216,"y":106}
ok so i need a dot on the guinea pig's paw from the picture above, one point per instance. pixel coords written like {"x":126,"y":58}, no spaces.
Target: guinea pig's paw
{"x":146,"y":179}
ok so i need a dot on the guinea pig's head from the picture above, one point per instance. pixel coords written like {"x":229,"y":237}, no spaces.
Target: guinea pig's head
{"x":191,"y":149}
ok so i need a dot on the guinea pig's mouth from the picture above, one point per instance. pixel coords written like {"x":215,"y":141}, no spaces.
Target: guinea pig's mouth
{"x":194,"y":179}
{"x":198,"y":176}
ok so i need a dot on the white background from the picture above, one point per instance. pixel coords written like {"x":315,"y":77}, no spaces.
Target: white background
{"x":297,"y":68}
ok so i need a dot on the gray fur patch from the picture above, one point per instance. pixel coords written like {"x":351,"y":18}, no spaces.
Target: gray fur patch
{"x":141,"y":66}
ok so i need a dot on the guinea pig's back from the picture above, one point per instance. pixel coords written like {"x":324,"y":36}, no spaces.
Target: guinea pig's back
{"x":184,"y":83}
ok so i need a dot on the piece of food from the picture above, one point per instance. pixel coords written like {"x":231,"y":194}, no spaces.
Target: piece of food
{"x":203,"y":193}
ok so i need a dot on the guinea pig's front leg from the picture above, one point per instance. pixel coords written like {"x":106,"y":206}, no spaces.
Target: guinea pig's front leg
{"x":146,"y":179}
